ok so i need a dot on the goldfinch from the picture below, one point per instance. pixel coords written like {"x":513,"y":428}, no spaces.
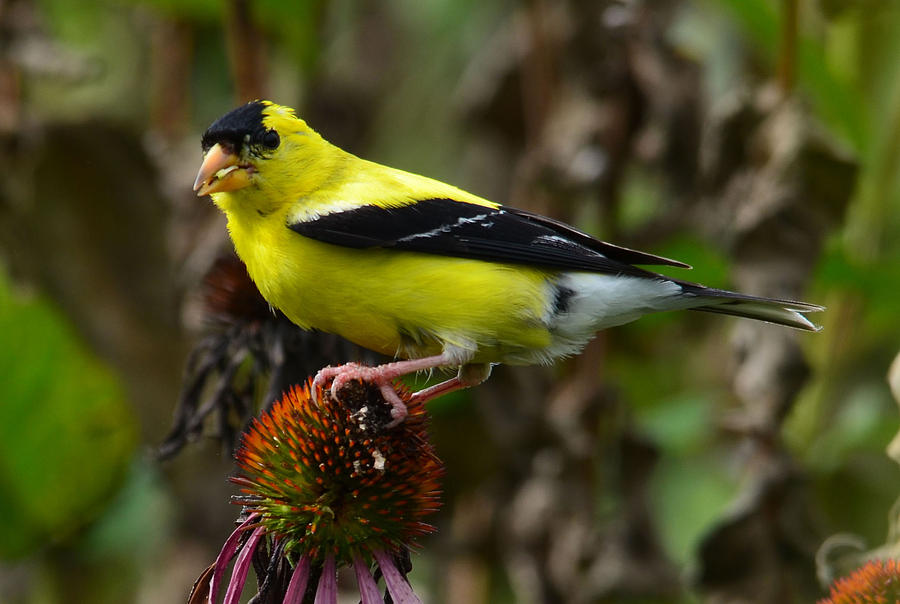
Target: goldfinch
{"x":423,"y":271}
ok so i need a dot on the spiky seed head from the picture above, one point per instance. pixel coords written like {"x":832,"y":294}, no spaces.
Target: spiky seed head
{"x":328,"y":479}
{"x":876,"y":582}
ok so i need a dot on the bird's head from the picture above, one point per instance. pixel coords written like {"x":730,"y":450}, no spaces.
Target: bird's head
{"x":261,"y":152}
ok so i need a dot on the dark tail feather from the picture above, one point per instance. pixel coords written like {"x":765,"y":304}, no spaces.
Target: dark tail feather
{"x":772,"y":310}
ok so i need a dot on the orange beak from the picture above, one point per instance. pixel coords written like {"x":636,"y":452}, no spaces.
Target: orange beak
{"x":220,"y":171}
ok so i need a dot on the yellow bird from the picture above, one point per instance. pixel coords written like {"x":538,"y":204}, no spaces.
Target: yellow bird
{"x":423,"y":271}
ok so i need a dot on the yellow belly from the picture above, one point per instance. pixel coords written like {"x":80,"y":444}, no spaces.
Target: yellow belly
{"x":399,"y":303}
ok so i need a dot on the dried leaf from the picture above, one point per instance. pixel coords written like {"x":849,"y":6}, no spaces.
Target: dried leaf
{"x":893,"y":378}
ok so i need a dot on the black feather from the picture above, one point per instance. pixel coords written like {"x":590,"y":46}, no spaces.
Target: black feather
{"x":499,"y":234}
{"x":236,"y":127}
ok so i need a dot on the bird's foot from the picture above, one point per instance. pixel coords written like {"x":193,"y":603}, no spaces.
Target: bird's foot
{"x":326,"y":375}
{"x":341,"y":376}
{"x":383,"y":376}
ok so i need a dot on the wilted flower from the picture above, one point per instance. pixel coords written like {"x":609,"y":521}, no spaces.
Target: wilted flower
{"x":326,"y":485}
{"x":250,"y":355}
{"x":875,"y":582}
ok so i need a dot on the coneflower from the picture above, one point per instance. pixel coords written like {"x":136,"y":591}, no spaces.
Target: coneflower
{"x":875,"y":582}
{"x":326,"y":485}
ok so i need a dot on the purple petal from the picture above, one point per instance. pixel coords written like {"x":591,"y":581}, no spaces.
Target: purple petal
{"x":297,"y":587}
{"x":239,"y":572}
{"x":326,"y":593}
{"x":225,"y":556}
{"x":368,"y":589}
{"x":398,"y":586}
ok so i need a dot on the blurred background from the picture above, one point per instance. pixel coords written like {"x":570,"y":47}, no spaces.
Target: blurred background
{"x":683,"y":458}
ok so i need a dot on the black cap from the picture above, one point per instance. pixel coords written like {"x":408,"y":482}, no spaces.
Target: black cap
{"x":237,"y":127}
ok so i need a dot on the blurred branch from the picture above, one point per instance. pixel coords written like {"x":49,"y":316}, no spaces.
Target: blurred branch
{"x":762,"y":550}
{"x":10,"y":79}
{"x":787,"y":52}
{"x":539,"y":67}
{"x":868,"y":223}
{"x":172,"y":48}
{"x":246,"y":52}
{"x":893,"y":379}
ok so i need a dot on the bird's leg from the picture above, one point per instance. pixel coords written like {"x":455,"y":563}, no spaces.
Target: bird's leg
{"x":378,"y":374}
{"x":384,"y":375}
{"x":468,"y":376}
{"x":381,"y":376}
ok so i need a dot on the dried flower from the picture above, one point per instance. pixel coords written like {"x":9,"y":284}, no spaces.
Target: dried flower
{"x":327,"y":485}
{"x":875,"y":582}
{"x":249,"y":357}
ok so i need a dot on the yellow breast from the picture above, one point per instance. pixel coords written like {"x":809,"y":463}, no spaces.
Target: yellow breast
{"x":396,"y":303}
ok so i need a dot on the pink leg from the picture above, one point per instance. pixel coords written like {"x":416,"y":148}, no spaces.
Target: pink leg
{"x":384,"y":375}
{"x":381,"y":376}
{"x":468,"y":376}
{"x":446,"y":387}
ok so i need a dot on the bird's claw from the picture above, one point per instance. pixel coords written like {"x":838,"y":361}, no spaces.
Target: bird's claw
{"x":398,"y":407}
{"x":327,"y":375}
{"x":339,"y":376}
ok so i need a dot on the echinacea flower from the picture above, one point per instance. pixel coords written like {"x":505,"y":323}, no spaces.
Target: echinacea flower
{"x":326,"y":485}
{"x":875,"y":582}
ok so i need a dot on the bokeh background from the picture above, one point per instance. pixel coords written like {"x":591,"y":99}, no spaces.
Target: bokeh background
{"x":682,"y":458}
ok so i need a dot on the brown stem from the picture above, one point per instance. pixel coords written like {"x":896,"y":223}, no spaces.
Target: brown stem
{"x":246,"y":52}
{"x":538,"y":71}
{"x":10,"y":75}
{"x":172,"y":46}
{"x":787,"y":55}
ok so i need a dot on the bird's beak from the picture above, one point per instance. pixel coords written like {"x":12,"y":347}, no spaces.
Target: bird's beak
{"x":221,"y":171}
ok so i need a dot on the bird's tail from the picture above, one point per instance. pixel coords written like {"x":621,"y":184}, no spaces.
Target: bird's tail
{"x":783,"y":312}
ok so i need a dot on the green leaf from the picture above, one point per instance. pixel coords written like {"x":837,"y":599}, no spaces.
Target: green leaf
{"x":689,"y":496}
{"x":66,"y":433}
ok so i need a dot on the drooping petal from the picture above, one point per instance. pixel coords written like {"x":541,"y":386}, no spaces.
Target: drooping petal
{"x":399,"y":588}
{"x":241,"y":566}
{"x":368,"y":589}
{"x":297,"y":587}
{"x":326,"y":593}
{"x":226,"y":555}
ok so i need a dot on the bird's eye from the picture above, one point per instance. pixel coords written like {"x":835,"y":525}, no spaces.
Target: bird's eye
{"x":271,"y":139}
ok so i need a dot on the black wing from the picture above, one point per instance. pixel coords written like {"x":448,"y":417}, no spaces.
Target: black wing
{"x":451,"y":228}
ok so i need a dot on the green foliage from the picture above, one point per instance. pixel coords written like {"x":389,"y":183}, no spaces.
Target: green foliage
{"x":689,"y":495}
{"x":296,"y":25}
{"x":182,"y":9}
{"x":837,"y":101}
{"x":89,"y":62}
{"x":849,"y":68}
{"x":66,"y":433}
